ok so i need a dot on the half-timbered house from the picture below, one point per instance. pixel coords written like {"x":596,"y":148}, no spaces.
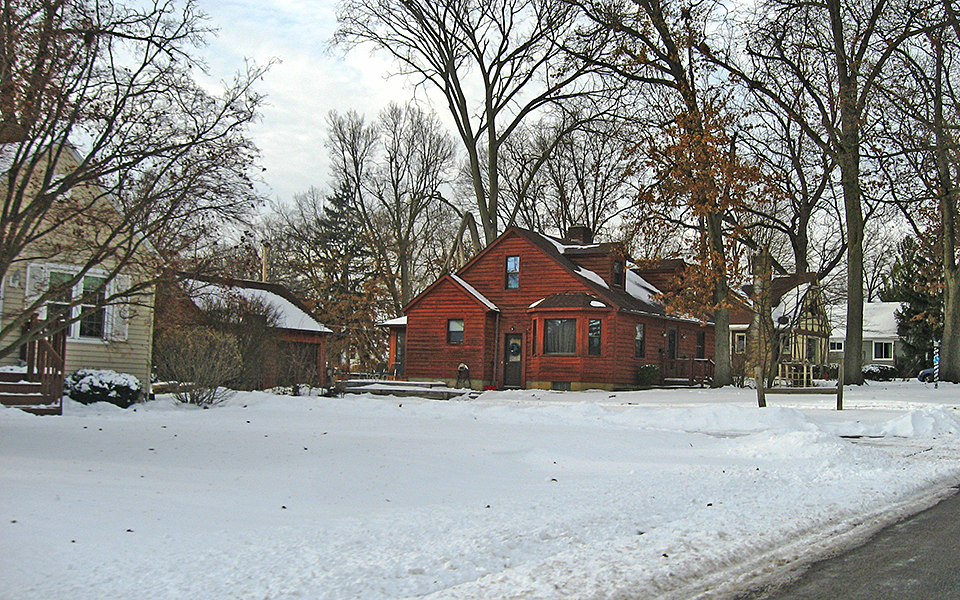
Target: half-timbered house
{"x":531,"y":311}
{"x":801,"y":328}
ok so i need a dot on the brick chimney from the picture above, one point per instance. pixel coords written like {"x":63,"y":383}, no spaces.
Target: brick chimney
{"x":578,"y":234}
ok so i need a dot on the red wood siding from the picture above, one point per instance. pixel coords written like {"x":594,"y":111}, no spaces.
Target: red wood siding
{"x":540,"y":276}
{"x":429,"y":356}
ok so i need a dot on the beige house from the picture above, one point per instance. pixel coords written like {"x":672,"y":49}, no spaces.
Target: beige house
{"x":107,"y":332}
{"x":118,"y":337}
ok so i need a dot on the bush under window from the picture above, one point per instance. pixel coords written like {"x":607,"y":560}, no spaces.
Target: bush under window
{"x":101,"y":385}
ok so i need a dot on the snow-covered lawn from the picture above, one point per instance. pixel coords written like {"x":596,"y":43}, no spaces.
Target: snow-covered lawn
{"x":655,"y":494}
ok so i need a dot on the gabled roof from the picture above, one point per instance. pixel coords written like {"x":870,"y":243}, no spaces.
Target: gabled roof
{"x":290,"y":310}
{"x":459,"y":282}
{"x":397,"y":322}
{"x":637,"y":295}
{"x":786,"y":297}
{"x":781,"y":285}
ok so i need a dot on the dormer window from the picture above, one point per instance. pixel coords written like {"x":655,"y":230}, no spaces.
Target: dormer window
{"x":511,"y":279}
{"x":618,"y":274}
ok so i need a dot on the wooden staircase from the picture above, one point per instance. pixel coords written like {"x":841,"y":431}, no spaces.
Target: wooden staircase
{"x":40,"y":389}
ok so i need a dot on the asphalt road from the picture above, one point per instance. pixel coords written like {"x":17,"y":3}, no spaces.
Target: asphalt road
{"x":915,"y":559}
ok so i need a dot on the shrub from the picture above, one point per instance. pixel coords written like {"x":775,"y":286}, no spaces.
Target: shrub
{"x":880,"y":372}
{"x":99,"y":385}
{"x":201,"y":360}
{"x":648,"y":375}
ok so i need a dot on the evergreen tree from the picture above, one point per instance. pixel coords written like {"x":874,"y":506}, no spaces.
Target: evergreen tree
{"x":915,"y":280}
{"x":351,"y":290}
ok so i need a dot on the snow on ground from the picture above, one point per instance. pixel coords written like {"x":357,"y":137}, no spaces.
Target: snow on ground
{"x":532,"y":494}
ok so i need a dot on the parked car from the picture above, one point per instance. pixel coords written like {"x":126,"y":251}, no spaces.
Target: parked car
{"x":926,"y":375}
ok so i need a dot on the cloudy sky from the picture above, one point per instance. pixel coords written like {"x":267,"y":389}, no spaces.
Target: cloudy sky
{"x":309,"y":81}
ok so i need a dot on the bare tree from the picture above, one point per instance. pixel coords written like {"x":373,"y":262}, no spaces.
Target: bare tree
{"x":585,"y":179}
{"x":802,"y":205}
{"x":396,"y":169}
{"x":109,"y":143}
{"x":496,"y":62}
{"x":691,"y":149}
{"x":821,"y":63}
{"x":921,"y":155}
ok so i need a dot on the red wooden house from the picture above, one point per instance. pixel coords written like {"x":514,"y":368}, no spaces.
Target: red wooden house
{"x":531,"y":311}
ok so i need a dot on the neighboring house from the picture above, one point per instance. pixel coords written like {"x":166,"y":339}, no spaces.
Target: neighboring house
{"x":116,"y":337}
{"x":881,"y":343}
{"x":531,"y":311}
{"x":801,"y":324}
{"x":293,"y":349}
{"x":106,"y":333}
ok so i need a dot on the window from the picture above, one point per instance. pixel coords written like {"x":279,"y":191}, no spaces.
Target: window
{"x":701,"y":344}
{"x":560,"y":336}
{"x":882,"y":350}
{"x":739,"y":343}
{"x":84,"y":300}
{"x":618,"y":274}
{"x":60,"y":302}
{"x":594,"y":330}
{"x":813,"y":349}
{"x":93,"y":312}
{"x":836,"y":346}
{"x":512,"y":275}
{"x":640,"y":341}
{"x":455,"y":331}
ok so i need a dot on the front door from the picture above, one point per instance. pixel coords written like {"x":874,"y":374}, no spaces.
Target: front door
{"x":513,"y":360}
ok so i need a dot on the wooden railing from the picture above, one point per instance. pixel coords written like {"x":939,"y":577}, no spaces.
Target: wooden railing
{"x":46,"y":358}
{"x":690,"y":370}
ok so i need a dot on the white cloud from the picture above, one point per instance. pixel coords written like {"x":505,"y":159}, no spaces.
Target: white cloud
{"x":309,"y":82}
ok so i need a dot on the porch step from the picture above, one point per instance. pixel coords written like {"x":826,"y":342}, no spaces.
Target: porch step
{"x":432,"y":390}
{"x":12,"y":376}
{"x":28,"y":396}
{"x":352,"y":383}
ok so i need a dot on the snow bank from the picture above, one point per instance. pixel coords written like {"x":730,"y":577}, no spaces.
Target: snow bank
{"x":514,"y":495}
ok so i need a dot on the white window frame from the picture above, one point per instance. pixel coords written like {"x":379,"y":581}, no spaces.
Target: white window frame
{"x":882,"y":345}
{"x":836,"y":346}
{"x":739,"y":348}
{"x":116,"y":316}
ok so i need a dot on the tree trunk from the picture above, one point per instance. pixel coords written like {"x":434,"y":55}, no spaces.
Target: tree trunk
{"x":848,"y":157}
{"x":723,"y":369}
{"x":950,"y":344}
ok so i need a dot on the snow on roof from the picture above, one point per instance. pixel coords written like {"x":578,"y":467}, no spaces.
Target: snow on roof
{"x":562,"y":248}
{"x":289,"y":315}
{"x":640,"y":288}
{"x":790,"y":303}
{"x":394,"y":322}
{"x":475,"y":293}
{"x":593,"y":277}
{"x":879,"y":320}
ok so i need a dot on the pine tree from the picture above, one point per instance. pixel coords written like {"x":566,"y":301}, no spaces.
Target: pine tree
{"x":915,"y":280}
{"x":350,"y":292}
